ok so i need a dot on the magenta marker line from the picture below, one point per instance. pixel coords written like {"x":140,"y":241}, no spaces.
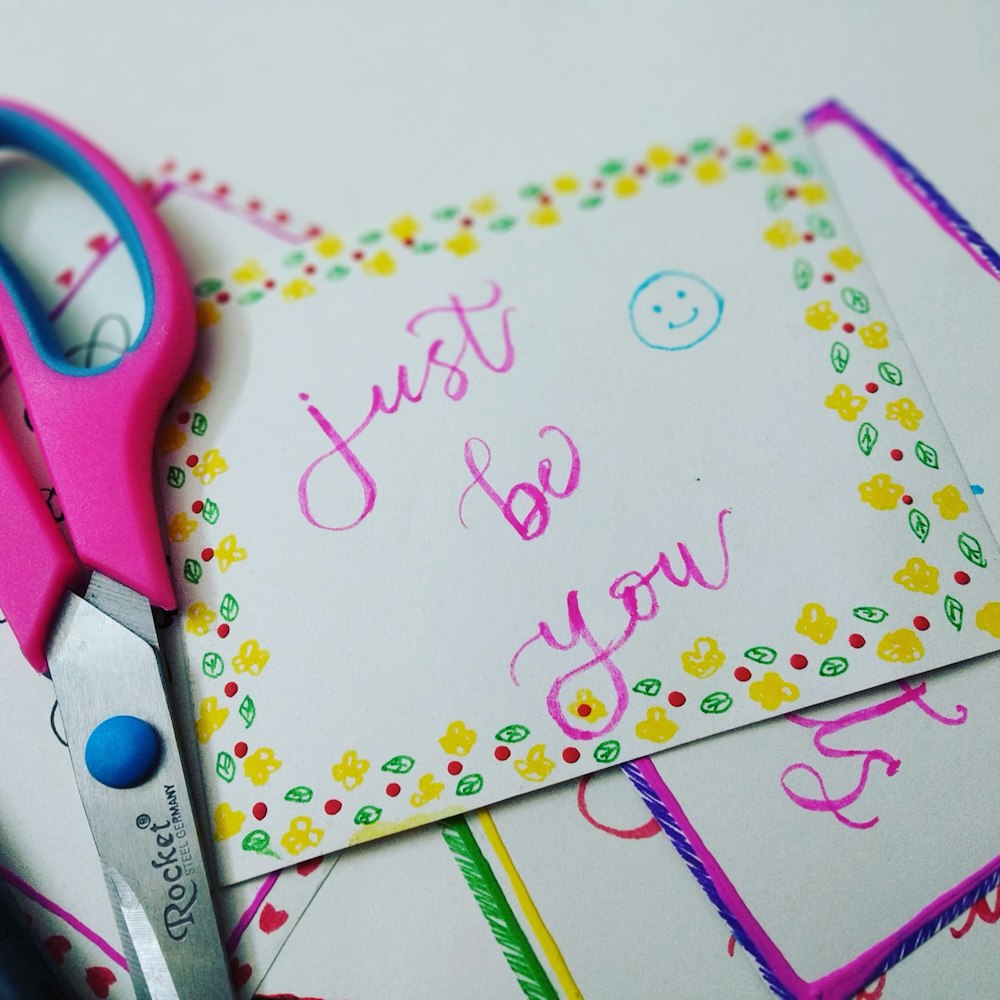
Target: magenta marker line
{"x":274,"y":229}
{"x":246,"y":918}
{"x":26,"y":889}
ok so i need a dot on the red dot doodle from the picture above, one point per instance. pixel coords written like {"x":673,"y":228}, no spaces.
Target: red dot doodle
{"x":545,"y":199}
{"x":682,"y":160}
{"x":259,"y":810}
{"x":791,"y":192}
{"x":392,"y":789}
{"x":828,"y":277}
{"x":856,"y":640}
{"x":332,"y":806}
{"x":871,"y":387}
{"x":231,"y":688}
{"x":358,"y":255}
{"x":221,"y":190}
{"x":183,"y":417}
{"x":808,"y":237}
{"x":240,"y":750}
{"x":207,"y":554}
{"x":597,"y":185}
{"x":571,"y":755}
{"x":197,"y":507}
{"x":313,"y":231}
{"x":896,"y":455}
{"x":742,"y":674}
{"x":191,"y":461}
{"x":467,"y":221}
{"x":222,"y":631}
{"x":502,"y":753}
{"x":641,"y":169}
{"x":765,"y":147}
{"x":169,"y":166}
{"x":962,"y":578}
{"x":722,"y":152}
{"x":454,"y":767}
{"x":281,"y":216}
{"x":222,"y":298}
{"x":848,"y":328}
{"x":409,"y":241}
{"x":269,"y":283}
{"x":676,"y":699}
{"x":907,"y":499}
{"x":254,"y":204}
{"x":310,"y":269}
{"x":584,"y":710}
{"x":194,"y":176}
{"x":798,"y":662}
{"x":921,"y":624}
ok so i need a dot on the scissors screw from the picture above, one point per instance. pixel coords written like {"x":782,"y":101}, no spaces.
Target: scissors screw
{"x":123,"y":751}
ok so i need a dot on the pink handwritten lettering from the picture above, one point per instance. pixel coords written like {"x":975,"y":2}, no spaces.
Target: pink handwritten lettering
{"x":640,"y":603}
{"x":536,"y":520}
{"x":455,"y":386}
{"x":824,"y":729}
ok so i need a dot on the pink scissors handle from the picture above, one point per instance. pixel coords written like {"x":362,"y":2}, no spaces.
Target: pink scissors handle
{"x":96,"y":427}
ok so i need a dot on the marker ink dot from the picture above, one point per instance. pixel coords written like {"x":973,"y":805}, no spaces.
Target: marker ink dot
{"x":907,"y":499}
{"x":896,"y":455}
{"x":358,"y":255}
{"x":921,"y":624}
{"x":183,"y":417}
{"x":221,"y":190}
{"x":583,"y":711}
{"x":467,"y":222}
{"x":682,"y":160}
{"x":641,"y":169}
{"x":281,"y":216}
{"x":222,"y":631}
{"x":791,"y":192}
{"x":207,"y":554}
{"x":195,"y":176}
{"x":240,"y":749}
{"x":502,"y":753}
{"x":313,"y":231}
{"x":765,"y":147}
{"x":197,"y":507}
{"x":191,"y":461}
{"x":828,"y":277}
{"x":848,"y":328}
{"x":222,"y":298}
{"x":856,"y":640}
{"x":798,"y":662}
{"x":742,"y":674}
{"x":231,"y":688}
{"x":871,"y":387}
{"x":807,"y":237}
{"x":454,"y":767}
{"x":392,"y":789}
{"x":597,"y":185}
{"x":269,"y":284}
{"x":962,"y":578}
{"x":259,"y":810}
{"x":332,"y":806}
{"x":676,"y":699}
{"x":571,"y":755}
{"x":409,"y":241}
{"x":254,"y":205}
{"x":310,"y":269}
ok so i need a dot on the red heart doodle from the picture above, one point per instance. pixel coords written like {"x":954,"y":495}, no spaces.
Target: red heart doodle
{"x":98,"y":243}
{"x":57,"y":946}
{"x":100,"y":980}
{"x":239,"y":973}
{"x":308,"y":867}
{"x":271,"y":919}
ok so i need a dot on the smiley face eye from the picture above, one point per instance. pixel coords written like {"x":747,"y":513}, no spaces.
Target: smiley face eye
{"x":657,"y":309}
{"x":681,"y":293}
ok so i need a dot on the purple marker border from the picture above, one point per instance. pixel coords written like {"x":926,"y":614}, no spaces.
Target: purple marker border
{"x":864,"y":969}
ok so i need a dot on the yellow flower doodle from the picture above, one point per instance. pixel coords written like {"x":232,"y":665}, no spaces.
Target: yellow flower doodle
{"x":875,"y":335}
{"x":988,"y":618}
{"x":906,"y":412}
{"x":228,"y":552}
{"x":656,"y":726}
{"x":351,"y":770}
{"x":813,"y":193}
{"x":301,"y":834}
{"x":180,"y":527}
{"x":427,"y":791}
{"x":462,"y":243}
{"x":772,"y":690}
{"x":250,"y":659}
{"x":844,"y":258}
{"x":781,"y":235}
{"x":704,"y":658}
{"x":918,"y":576}
{"x":328,"y":245}
{"x":844,"y":403}
{"x":260,"y":765}
{"x":210,"y":718}
{"x":659,"y":157}
{"x":627,"y":187}
{"x":709,"y":171}
{"x":381,"y":265}
{"x":814,"y":623}
{"x":170,"y":438}
{"x":248,"y":272}
{"x":212,"y":464}
{"x":195,"y":388}
{"x":881,"y":492}
{"x":820,"y":315}
{"x":199,"y":618}
{"x":404,"y":228}
{"x":901,"y":646}
{"x":587,"y":707}
{"x":458,"y":740}
{"x":535,"y":766}
{"x":297,"y":289}
{"x":228,"y":821}
{"x":949,"y":502}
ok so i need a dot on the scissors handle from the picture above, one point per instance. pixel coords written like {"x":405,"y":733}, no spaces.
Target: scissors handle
{"x":96,"y":427}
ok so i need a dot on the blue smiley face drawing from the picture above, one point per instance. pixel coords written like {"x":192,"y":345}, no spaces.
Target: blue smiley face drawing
{"x":674,"y":310}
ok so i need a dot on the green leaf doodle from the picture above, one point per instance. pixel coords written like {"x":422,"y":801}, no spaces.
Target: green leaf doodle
{"x":607,"y":752}
{"x":248,"y":711}
{"x":229,"y":608}
{"x":367,"y":815}
{"x":820,"y":225}
{"x":300,"y":793}
{"x":648,"y":686}
{"x":744,"y":163}
{"x":258,"y":841}
{"x":400,"y":764}
{"x":591,"y":201}
{"x":338,"y":272}
{"x":450,"y":211}
{"x":802,"y":273}
{"x":867,"y":436}
{"x":926,"y":454}
{"x":761,"y":654}
{"x":209,"y":286}
{"x":840,"y":354}
{"x":855,"y":299}
{"x":502,"y":224}
{"x":225,"y":766}
{"x":212,"y":665}
{"x":774,"y":197}
{"x":890,"y":373}
{"x":716,"y":703}
{"x":782,"y":134}
{"x":969,"y":546}
{"x":250,"y":297}
{"x":513,"y":733}
{"x":175,"y":477}
{"x":471,"y":784}
{"x":669,"y":177}
{"x":370,"y":238}
{"x":295,"y":258}
{"x":801,"y":167}
{"x":920,"y":524}
{"x":702,"y":146}
{"x":954,"y":611}
{"x":833,"y":666}
{"x":428,"y":246}
{"x":192,"y":570}
{"x":612,"y":168}
{"x":210,"y":512}
{"x":870,"y":614}
{"x":199,"y":424}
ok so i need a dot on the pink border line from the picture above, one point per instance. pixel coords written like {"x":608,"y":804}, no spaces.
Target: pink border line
{"x":246,"y":918}
{"x":853,"y":976}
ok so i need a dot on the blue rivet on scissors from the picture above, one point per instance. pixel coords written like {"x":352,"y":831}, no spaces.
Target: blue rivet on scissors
{"x":123,"y":751}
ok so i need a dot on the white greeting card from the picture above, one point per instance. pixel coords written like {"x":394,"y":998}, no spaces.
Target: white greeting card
{"x":479,"y":503}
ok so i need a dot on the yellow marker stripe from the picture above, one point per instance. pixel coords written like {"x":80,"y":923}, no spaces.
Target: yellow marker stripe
{"x":531,"y":914}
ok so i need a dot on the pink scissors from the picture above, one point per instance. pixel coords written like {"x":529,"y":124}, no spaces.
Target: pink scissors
{"x":96,"y":429}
